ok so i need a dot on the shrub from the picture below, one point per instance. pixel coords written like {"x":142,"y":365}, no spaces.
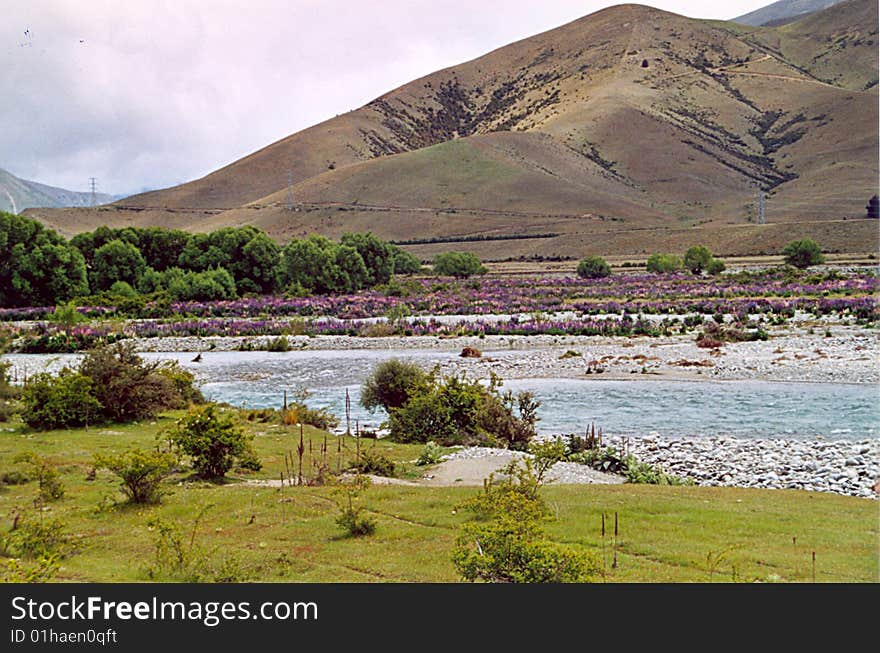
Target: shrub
{"x":183,"y":382}
{"x":50,"y":487}
{"x":662,"y":263}
{"x":715,"y":267}
{"x":31,"y":538}
{"x":65,"y":401}
{"x":141,"y":472}
{"x":42,"y":571}
{"x":9,"y":394}
{"x":431,"y":454}
{"x":211,"y":439}
{"x":405,"y":263}
{"x":803,"y":253}
{"x":179,"y":556}
{"x":279,"y":344}
{"x":123,"y":289}
{"x":351,"y":517}
{"x":373,"y":462}
{"x":593,"y":267}
{"x":457,"y":264}
{"x":392,"y":384}
{"x":127,"y":387}
{"x":508,"y":544}
{"x":697,"y":259}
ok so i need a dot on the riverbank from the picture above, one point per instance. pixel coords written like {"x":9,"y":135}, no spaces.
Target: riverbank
{"x":831,"y":354}
{"x":846,"y":468}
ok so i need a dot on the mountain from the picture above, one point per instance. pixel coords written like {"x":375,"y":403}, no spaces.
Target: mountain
{"x":621,"y":132}
{"x":784,"y":11}
{"x":18,"y":194}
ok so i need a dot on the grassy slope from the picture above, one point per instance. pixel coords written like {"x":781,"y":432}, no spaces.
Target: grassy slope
{"x":666,"y":533}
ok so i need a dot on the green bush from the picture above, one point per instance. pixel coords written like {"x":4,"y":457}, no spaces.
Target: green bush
{"x":373,"y":462}
{"x":49,"y":484}
{"x":508,"y":545}
{"x":392,"y":383}
{"x":457,"y":264}
{"x":715,"y":267}
{"x":593,"y":267}
{"x":183,"y":383}
{"x":278,"y":344}
{"x":351,"y":516}
{"x":405,"y":263}
{"x":141,"y":472}
{"x":431,"y":454}
{"x":803,"y":253}
{"x":212,"y":440}
{"x":127,"y":388}
{"x":64,"y":401}
{"x":43,"y":570}
{"x":663,"y":263}
{"x":32,"y":538}
{"x":697,"y":259}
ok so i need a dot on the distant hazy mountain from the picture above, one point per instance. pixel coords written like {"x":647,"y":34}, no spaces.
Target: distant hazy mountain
{"x":784,"y":11}
{"x":19,"y":194}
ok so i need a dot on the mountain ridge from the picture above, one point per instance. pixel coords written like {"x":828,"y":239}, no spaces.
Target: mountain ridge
{"x":630,"y":115}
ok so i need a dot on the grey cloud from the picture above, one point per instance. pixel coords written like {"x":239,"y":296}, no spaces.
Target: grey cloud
{"x":163,"y":92}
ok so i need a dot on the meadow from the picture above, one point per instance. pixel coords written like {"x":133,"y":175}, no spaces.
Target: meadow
{"x":251,"y":532}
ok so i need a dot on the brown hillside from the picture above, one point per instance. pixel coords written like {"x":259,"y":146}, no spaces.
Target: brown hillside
{"x":628,"y":120}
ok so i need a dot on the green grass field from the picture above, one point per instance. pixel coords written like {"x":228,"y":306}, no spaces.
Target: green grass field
{"x":667,"y":534}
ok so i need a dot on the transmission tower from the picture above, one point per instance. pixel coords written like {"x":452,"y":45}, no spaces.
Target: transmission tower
{"x":762,"y":218}
{"x":93,"y":186}
{"x":290,"y":190}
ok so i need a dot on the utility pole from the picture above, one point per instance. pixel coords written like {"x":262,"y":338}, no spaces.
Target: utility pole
{"x":93,"y":185}
{"x":290,"y":190}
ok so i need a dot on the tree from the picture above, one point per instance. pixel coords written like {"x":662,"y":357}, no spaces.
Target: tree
{"x":716,"y":267}
{"x":406,"y":263}
{"x":37,"y":267}
{"x":211,"y":438}
{"x":873,"y":208}
{"x":118,"y":260}
{"x":697,"y":259}
{"x":660,"y":263}
{"x":392,"y":384}
{"x":457,"y":264}
{"x":803,"y":253}
{"x":350,"y":273}
{"x":377,"y":255}
{"x":307,"y":263}
{"x":210,"y":285}
{"x":593,"y":267}
{"x":260,"y":259}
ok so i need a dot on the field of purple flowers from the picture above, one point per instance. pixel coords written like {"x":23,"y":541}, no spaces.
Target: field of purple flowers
{"x":610,"y":306}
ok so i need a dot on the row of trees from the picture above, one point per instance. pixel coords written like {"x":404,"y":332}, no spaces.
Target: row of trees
{"x":38,"y":267}
{"x":698,"y":259}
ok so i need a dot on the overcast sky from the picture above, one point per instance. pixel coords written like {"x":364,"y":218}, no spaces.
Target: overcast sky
{"x":151,"y":93}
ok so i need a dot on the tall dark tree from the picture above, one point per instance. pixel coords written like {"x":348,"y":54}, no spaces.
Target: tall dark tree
{"x":37,"y":266}
{"x":873,"y":207}
{"x":377,"y":254}
{"x":118,"y":260}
